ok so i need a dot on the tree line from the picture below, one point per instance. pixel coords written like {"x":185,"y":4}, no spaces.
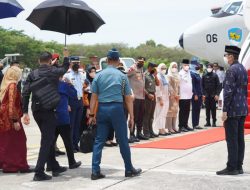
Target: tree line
{"x":15,"y":41}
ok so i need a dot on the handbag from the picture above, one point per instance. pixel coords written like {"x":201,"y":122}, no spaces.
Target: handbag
{"x":87,"y":139}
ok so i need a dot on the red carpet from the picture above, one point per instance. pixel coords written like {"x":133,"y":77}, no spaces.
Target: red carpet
{"x":189,"y":141}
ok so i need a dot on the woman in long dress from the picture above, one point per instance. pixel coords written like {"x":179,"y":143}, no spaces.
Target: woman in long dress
{"x":162,"y":101}
{"x":13,"y":150}
{"x":174,"y":90}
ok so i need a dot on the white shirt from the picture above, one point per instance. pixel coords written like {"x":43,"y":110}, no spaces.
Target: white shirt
{"x":186,"y":86}
{"x":77,"y":80}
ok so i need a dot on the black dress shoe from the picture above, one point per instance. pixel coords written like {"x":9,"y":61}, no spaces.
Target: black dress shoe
{"x":75,"y":165}
{"x":131,"y":140}
{"x":41,"y":177}
{"x":75,"y":151}
{"x":207,"y":125}
{"x":163,"y":134}
{"x":97,"y":176}
{"x":214,"y":125}
{"x":241,"y":171}
{"x":27,"y":171}
{"x":108,"y":145}
{"x":58,"y":153}
{"x":198,"y":127}
{"x":59,"y":170}
{"x":176,"y":131}
{"x":184,"y":130}
{"x":153,"y":134}
{"x":114,"y":144}
{"x":48,"y":169}
{"x":134,"y":172}
{"x":226,"y":171}
{"x":140,"y":136}
{"x":189,"y":129}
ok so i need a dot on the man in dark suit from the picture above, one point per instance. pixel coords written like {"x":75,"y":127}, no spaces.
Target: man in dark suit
{"x":235,"y":110}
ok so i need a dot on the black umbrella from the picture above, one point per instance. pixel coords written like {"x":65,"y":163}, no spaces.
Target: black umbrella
{"x":66,"y":16}
{"x":9,"y":8}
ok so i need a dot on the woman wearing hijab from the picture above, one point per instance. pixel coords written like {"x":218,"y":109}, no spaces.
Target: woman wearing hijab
{"x":162,"y":101}
{"x":13,"y":150}
{"x":174,"y":90}
{"x":90,"y":75}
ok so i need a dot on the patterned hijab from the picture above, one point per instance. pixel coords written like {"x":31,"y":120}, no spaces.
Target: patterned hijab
{"x":12,"y":75}
{"x":170,"y":73}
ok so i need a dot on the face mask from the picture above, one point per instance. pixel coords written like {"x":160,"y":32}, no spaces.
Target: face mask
{"x":174,"y":70}
{"x":92,"y":75}
{"x":140,"y":65}
{"x":186,"y":68}
{"x":209,"y":70}
{"x":197,"y":68}
{"x":225,"y":60}
{"x":163,"y":72}
{"x":75,"y":67}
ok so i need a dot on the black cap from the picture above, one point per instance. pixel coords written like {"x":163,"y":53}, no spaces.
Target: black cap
{"x":185,"y":61}
{"x":150,"y":64}
{"x":232,"y":50}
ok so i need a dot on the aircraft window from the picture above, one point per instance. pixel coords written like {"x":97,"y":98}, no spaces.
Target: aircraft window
{"x":234,"y":8}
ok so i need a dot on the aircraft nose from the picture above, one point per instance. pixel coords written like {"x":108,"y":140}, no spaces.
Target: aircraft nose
{"x":181,"y":41}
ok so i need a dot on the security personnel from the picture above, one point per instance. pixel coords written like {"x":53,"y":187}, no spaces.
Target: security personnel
{"x":137,"y":82}
{"x":46,"y":119}
{"x":211,"y":90}
{"x":197,"y":95}
{"x":151,"y":81}
{"x":108,"y":88}
{"x":77,"y":79}
{"x":235,"y":110}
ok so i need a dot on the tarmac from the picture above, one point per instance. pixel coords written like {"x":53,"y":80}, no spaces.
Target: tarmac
{"x":163,"y":169}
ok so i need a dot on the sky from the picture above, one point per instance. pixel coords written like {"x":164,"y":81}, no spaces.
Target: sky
{"x":127,"y":21}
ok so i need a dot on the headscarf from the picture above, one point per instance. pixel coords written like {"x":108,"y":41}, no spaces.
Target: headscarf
{"x":90,"y":79}
{"x":170,"y":73}
{"x":12,"y":75}
{"x":163,"y":78}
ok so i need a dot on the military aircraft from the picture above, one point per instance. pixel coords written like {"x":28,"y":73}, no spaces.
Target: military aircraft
{"x":207,"y":39}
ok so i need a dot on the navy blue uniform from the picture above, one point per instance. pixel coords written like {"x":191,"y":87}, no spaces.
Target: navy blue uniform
{"x":108,"y":86}
{"x":196,"y":104}
{"x":235,"y":104}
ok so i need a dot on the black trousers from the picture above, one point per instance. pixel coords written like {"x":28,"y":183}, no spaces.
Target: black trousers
{"x":46,"y":122}
{"x":210,"y":105}
{"x":138,"y":115}
{"x":148,"y":116}
{"x":196,"y":109}
{"x":234,"y":128}
{"x":65,"y":132}
{"x":184,"y":112}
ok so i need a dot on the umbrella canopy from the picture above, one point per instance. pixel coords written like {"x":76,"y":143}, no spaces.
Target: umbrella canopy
{"x":9,"y":8}
{"x":66,"y":16}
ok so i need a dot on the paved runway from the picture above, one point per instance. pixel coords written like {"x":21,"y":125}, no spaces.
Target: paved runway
{"x":162,"y":169}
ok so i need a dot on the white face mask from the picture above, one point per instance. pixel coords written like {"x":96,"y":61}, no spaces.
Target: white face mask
{"x":209,"y":70}
{"x":186,"y":68}
{"x":225,"y":60}
{"x":163,"y":72}
{"x":174,"y":70}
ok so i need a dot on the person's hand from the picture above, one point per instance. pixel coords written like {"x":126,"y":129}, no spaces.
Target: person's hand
{"x":196,"y":98}
{"x":151,"y":97}
{"x":54,"y":61}
{"x":17,"y":126}
{"x":224,"y":116}
{"x":161,"y":103}
{"x":177,"y":98}
{"x":26,"y":119}
{"x":87,"y":113}
{"x":69,"y":108}
{"x":131,"y":122}
{"x":65,"y":52}
{"x":155,"y":73}
{"x":92,"y":121}
{"x":203,"y":98}
{"x":216,"y":98}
